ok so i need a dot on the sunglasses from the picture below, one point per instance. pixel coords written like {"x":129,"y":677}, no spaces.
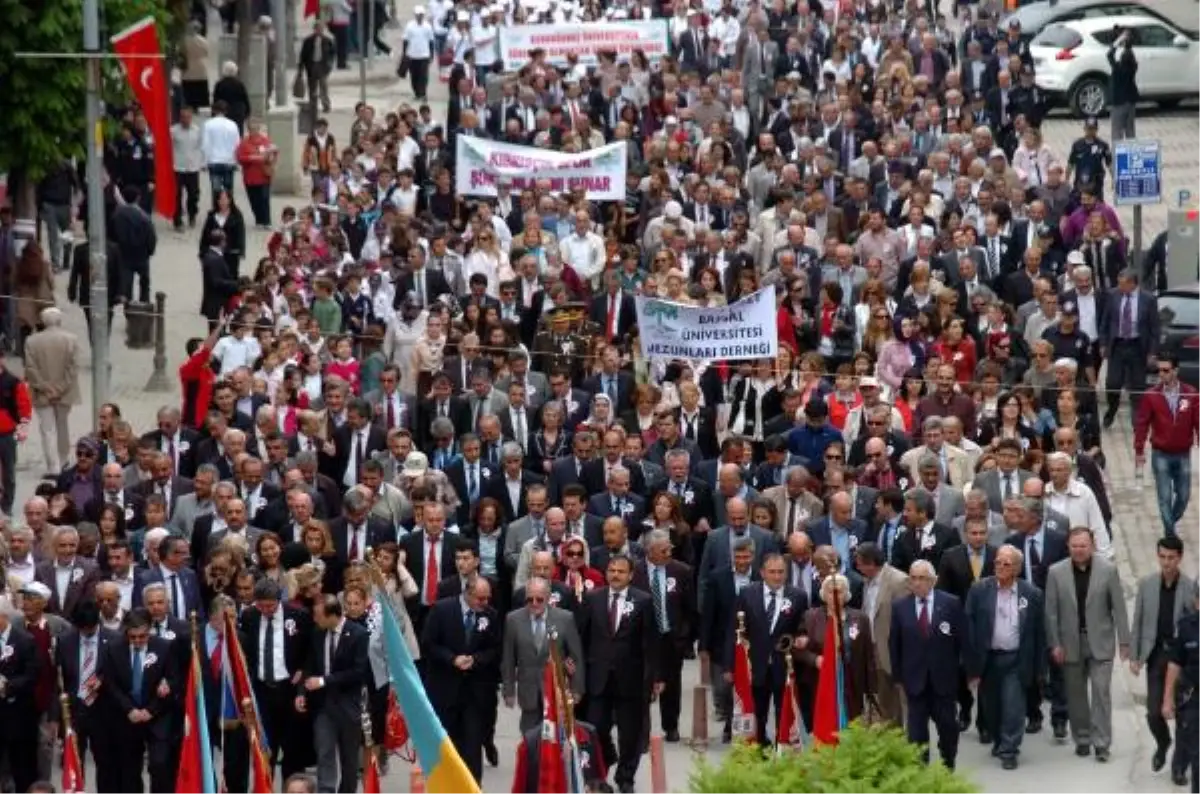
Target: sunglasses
{"x":574,"y":555}
{"x":84,"y":453}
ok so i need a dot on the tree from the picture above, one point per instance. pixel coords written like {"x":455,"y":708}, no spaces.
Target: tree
{"x":42,"y":106}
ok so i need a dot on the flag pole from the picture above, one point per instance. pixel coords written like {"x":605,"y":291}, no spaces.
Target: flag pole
{"x":70,"y":742}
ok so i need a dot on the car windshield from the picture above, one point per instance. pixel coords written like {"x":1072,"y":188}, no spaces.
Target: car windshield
{"x":1059,"y":36}
{"x":1180,"y":310}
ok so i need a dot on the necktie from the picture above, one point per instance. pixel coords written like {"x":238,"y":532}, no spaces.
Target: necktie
{"x":1035,"y":558}
{"x":1008,"y":487}
{"x":610,"y":388}
{"x":214,"y":659}
{"x":772,"y":605}
{"x":848,"y":148}
{"x":391,"y":414}
{"x":171,"y":452}
{"x":520,"y":428}
{"x":420,"y":287}
{"x":690,"y":427}
{"x":112,"y":498}
{"x":88,"y":668}
{"x":268,"y":653}
{"x":614,"y":615}
{"x":431,"y":572}
{"x":478,"y":410}
{"x":793,"y":509}
{"x":611,"y":325}
{"x":993,"y":258}
{"x":658,"y":590}
{"x":158,"y":630}
{"x":1127,"y":317}
{"x":539,"y":632}
{"x":976,"y":565}
{"x":469,"y":622}
{"x":138,"y":673}
{"x":177,"y":603}
{"x":923,"y":618}
{"x":361,"y":454}
{"x":472,"y":483}
{"x":353,"y":543}
{"x":330,"y":647}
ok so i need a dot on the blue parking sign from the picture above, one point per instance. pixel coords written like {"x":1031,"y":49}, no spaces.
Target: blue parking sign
{"x":1138,"y":172}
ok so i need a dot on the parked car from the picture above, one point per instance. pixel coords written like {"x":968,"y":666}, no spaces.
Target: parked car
{"x":1179,"y":318}
{"x":1035,"y":17}
{"x":1070,"y":61}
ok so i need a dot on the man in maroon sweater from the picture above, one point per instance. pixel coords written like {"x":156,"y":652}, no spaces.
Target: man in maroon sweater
{"x":1169,"y":415}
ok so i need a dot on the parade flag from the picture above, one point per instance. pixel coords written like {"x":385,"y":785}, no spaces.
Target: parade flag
{"x":370,"y":778}
{"x":742,"y":724}
{"x":552,"y":771}
{"x":444,"y":769}
{"x":236,"y":675}
{"x":829,"y":709}
{"x":791,"y":733}
{"x":72,"y":766}
{"x":138,"y":48}
{"x":196,"y":771}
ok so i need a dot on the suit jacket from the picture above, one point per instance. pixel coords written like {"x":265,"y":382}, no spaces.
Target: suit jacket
{"x":343,"y":441}
{"x":601,"y":505}
{"x":1104,"y":611}
{"x":630,"y":655}
{"x":378,"y":532}
{"x":20,"y":672}
{"x":957,"y":461}
{"x":808,"y":510}
{"x":955,"y":575}
{"x":185,"y":450}
{"x":893,"y":584}
{"x":593,"y":478}
{"x":498,"y":490}
{"x":67,"y":660}
{"x":717,"y":618}
{"x":435,"y":286}
{"x":1144,"y":638}
{"x":908,"y":549}
{"x":297,"y":640}
{"x":1053,"y":549}
{"x":179,"y":487}
{"x":950,"y":504}
{"x":522,"y":662}
{"x":992,"y":485}
{"x":564,"y":472}
{"x":117,"y":691}
{"x":821,"y":534}
{"x":717,"y":555}
{"x":766,"y":661}
{"x":460,"y":416}
{"x":407,"y":417}
{"x":626,"y":316}
{"x":348,"y":672}
{"x":414,"y":545}
{"x":705,"y":431}
{"x":681,"y":600}
{"x":625,"y":386}
{"x":187,"y":581}
{"x":444,"y":637}
{"x":928,"y":662}
{"x":84,"y":575}
{"x":981,"y":620}
{"x":456,"y":473}
{"x":858,"y":649}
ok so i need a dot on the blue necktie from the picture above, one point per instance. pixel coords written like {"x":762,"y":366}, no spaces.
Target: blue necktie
{"x":472,"y":484}
{"x":138,"y":672}
{"x":469,"y":622}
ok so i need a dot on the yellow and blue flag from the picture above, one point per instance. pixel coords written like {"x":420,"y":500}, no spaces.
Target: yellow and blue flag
{"x":440,"y":762}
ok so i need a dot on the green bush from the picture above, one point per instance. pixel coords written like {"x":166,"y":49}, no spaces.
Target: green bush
{"x":868,"y":759}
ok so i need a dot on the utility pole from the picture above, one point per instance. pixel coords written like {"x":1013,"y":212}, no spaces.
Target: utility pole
{"x":279,"y":15}
{"x":97,"y":238}
{"x":363,"y":48}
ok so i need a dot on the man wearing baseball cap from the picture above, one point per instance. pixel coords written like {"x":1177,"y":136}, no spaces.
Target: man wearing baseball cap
{"x":1089,"y":158}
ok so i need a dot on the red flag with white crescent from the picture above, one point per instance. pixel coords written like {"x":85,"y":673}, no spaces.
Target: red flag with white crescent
{"x":72,"y":766}
{"x":742,"y":725}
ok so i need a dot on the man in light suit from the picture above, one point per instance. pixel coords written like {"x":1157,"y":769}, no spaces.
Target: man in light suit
{"x":1084,"y":638}
{"x":483,"y":399}
{"x":199,"y":502}
{"x":759,"y":54}
{"x":808,"y":508}
{"x":1006,"y":480}
{"x":957,"y":463}
{"x":976,"y":507}
{"x":536,"y":385}
{"x":1167,"y":589}
{"x":718,"y":555}
{"x":390,"y":407}
{"x":527,"y":527}
{"x":528,"y":634}
{"x":883,"y":585}
{"x":948,"y":500}
{"x":69,"y":577}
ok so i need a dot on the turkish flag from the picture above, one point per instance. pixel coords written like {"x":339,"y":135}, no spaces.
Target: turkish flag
{"x":140,"y":54}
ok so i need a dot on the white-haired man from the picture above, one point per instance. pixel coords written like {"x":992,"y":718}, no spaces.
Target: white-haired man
{"x":52,"y":372}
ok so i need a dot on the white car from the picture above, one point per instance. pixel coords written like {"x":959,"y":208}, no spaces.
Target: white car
{"x":1070,"y":62}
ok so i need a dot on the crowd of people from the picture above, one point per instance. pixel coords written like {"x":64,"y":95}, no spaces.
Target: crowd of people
{"x":449,"y":392}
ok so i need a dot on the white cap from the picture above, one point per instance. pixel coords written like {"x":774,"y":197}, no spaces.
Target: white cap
{"x":1076,"y":258}
{"x":997,"y":152}
{"x":868,"y":382}
{"x":673,"y":209}
{"x":462,"y":16}
{"x":35,"y":589}
{"x":419,"y":11}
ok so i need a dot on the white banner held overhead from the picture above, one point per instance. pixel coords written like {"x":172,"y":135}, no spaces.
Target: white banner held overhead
{"x":745,"y":329}
{"x":480,"y":162}
{"x":585,"y":40}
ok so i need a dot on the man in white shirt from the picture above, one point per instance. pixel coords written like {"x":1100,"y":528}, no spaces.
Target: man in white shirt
{"x":1075,"y":500}
{"x":419,"y":44}
{"x":21,"y":566}
{"x":187,"y":141}
{"x":221,"y":139}
{"x":584,"y":250}
{"x":237,"y":350}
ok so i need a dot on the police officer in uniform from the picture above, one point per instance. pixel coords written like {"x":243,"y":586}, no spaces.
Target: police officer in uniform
{"x":1180,"y":699}
{"x":1090,"y":157}
{"x":560,"y":345}
{"x":1069,"y":341}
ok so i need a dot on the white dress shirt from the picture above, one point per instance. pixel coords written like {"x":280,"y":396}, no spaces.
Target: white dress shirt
{"x":278,"y":664}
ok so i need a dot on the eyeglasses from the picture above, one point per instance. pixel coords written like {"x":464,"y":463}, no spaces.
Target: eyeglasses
{"x":882,"y":317}
{"x":84,"y":453}
{"x":534,"y":600}
{"x":574,"y":555}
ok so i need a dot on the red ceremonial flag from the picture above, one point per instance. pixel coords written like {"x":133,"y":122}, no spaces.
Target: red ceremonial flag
{"x":370,"y":781}
{"x":552,"y":774}
{"x":190,"y":776}
{"x":140,"y":54}
{"x":828,"y":709}
{"x":260,"y":767}
{"x":311,"y":7}
{"x":742,"y":725}
{"x":791,"y":731}
{"x":72,"y":766}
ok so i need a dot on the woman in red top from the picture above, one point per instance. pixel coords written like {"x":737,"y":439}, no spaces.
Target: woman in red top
{"x":196,"y":378}
{"x":845,"y":396}
{"x":958,"y":349}
{"x":573,"y":569}
{"x":256,"y":155}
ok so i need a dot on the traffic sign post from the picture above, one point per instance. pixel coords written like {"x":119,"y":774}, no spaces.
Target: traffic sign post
{"x":1138,"y":182}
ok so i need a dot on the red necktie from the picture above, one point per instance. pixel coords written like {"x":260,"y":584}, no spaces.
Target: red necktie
{"x":391,"y":414}
{"x":611,"y":326}
{"x":214,"y":661}
{"x":431,"y":572}
{"x":353,"y":543}
{"x":613,"y":601}
{"x":923,"y":618}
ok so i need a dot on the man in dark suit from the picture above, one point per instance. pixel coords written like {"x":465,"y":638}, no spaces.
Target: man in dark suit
{"x":595,"y":473}
{"x":619,"y":501}
{"x":443,"y":403}
{"x":469,"y":475}
{"x":427,"y":285}
{"x":139,"y":686}
{"x":962,"y":566}
{"x":77,"y":655}
{"x":18,"y":713}
{"x":337,"y":669}
{"x":670,"y":584}
{"x":183,"y":589}
{"x":162,"y":482}
{"x":770,"y":609}
{"x":1006,"y":655}
{"x":615,"y":311}
{"x":462,"y":639}
{"x":511,"y":487}
{"x":717,"y":621}
{"x":927,"y":641}
{"x":429,"y":557}
{"x":356,"y":529}
{"x":613,"y":381}
{"x":356,"y":441}
{"x":1130,"y":338}
{"x":277,"y":638}
{"x":620,"y":642}
{"x":922,"y":538}
{"x":570,"y":470}
{"x":175,"y":441}
{"x":79,"y":575}
{"x":839,"y":530}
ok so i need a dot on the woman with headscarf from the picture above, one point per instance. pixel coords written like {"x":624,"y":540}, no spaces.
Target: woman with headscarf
{"x":600,"y":418}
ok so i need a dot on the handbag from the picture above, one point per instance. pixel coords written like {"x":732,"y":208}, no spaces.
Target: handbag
{"x":299,"y":86}
{"x":402,"y":69}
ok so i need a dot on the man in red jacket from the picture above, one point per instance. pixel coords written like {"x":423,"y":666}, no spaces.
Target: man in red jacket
{"x":16,"y":412}
{"x":1169,"y":414}
{"x":197,"y":376}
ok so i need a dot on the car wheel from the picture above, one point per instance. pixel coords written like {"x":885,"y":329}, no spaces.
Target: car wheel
{"x":1089,"y":97}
